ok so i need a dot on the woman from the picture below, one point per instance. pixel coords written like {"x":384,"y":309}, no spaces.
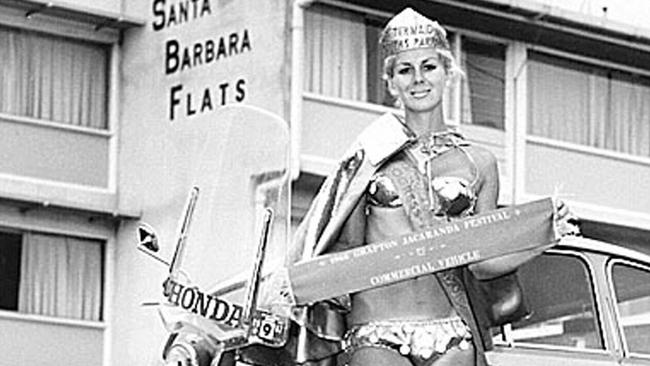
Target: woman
{"x":405,"y":174}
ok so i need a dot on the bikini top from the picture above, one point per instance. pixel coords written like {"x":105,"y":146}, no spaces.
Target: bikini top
{"x":449,"y":196}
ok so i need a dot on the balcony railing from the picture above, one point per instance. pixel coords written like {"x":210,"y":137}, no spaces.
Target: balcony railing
{"x":56,"y":164}
{"x":29,"y":340}
{"x":613,"y":186}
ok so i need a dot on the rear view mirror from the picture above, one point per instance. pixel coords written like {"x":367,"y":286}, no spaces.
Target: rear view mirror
{"x":147,"y":238}
{"x":148,"y":242}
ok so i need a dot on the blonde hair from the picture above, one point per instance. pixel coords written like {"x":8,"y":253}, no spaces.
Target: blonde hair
{"x":444,"y":55}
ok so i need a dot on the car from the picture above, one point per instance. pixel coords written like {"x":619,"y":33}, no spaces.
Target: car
{"x":589,"y":304}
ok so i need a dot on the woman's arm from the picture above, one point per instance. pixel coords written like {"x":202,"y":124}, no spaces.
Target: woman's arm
{"x":353,"y":231}
{"x":486,"y":201}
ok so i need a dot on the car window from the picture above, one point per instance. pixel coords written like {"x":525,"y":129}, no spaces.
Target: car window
{"x":559,"y":293}
{"x":632,"y":288}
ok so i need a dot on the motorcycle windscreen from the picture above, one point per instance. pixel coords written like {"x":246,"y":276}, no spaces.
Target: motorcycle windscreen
{"x":238,"y":168}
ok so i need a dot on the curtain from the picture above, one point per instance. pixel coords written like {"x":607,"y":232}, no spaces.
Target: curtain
{"x":588,"y":105}
{"x":53,"y":78}
{"x":335,"y":53}
{"x":629,"y":117}
{"x":60,"y":276}
{"x":559,"y":111}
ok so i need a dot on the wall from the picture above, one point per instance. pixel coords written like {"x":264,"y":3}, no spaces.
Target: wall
{"x":632,"y":12}
{"x":109,"y":6}
{"x":34,"y":342}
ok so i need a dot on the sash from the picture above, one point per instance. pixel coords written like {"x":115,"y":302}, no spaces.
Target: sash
{"x":431,"y":250}
{"x":413,"y":185}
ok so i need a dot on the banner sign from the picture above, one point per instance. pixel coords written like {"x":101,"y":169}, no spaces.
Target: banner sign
{"x":451,"y":244}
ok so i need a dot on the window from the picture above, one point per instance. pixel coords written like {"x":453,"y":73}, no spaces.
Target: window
{"x":10,"y":251}
{"x":53,"y":78}
{"x":343,"y":60}
{"x":562,"y":313}
{"x":53,"y":275}
{"x":632,"y":288}
{"x":593,"y":106}
{"x":482,"y":101}
{"x":336,"y":56}
{"x":377,"y":92}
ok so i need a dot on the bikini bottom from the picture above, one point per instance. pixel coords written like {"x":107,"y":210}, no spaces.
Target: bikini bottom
{"x":419,"y":339}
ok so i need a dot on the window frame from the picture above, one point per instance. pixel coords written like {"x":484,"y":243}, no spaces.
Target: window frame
{"x":571,"y":146}
{"x":506,"y":330}
{"x":106,"y":260}
{"x":611,"y":262}
{"x":106,"y":36}
{"x":456,"y":105}
{"x":109,"y":50}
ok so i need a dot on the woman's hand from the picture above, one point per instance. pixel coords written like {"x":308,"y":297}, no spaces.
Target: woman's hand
{"x":566,"y":223}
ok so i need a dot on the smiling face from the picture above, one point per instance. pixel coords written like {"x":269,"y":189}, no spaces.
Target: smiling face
{"x":418,"y":79}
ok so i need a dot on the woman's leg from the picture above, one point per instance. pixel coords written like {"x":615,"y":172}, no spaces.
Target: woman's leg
{"x":453,"y":357}
{"x":374,"y":356}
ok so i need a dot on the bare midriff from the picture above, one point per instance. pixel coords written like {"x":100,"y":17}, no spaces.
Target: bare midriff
{"x":421,"y":298}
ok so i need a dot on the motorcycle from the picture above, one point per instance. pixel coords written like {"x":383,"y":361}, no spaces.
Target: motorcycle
{"x":232,"y":205}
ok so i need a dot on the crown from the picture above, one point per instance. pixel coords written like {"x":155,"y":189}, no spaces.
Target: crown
{"x":410,"y":30}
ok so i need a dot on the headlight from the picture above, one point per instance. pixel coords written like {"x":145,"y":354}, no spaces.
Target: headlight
{"x":182,"y":354}
{"x":188,"y":350}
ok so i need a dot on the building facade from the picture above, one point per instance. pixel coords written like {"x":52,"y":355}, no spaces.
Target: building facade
{"x":91,"y":94}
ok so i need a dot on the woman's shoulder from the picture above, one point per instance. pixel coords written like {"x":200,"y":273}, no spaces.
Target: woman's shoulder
{"x":381,"y":139}
{"x":481,"y":155}
{"x":486,"y":164}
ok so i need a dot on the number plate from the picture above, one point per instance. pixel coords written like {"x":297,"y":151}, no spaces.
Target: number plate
{"x":270,"y":329}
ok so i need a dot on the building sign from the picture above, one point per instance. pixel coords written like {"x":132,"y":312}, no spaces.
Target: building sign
{"x":185,"y":60}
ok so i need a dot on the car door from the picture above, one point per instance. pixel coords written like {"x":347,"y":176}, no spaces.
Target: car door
{"x":565,"y":323}
{"x":630,"y":286}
